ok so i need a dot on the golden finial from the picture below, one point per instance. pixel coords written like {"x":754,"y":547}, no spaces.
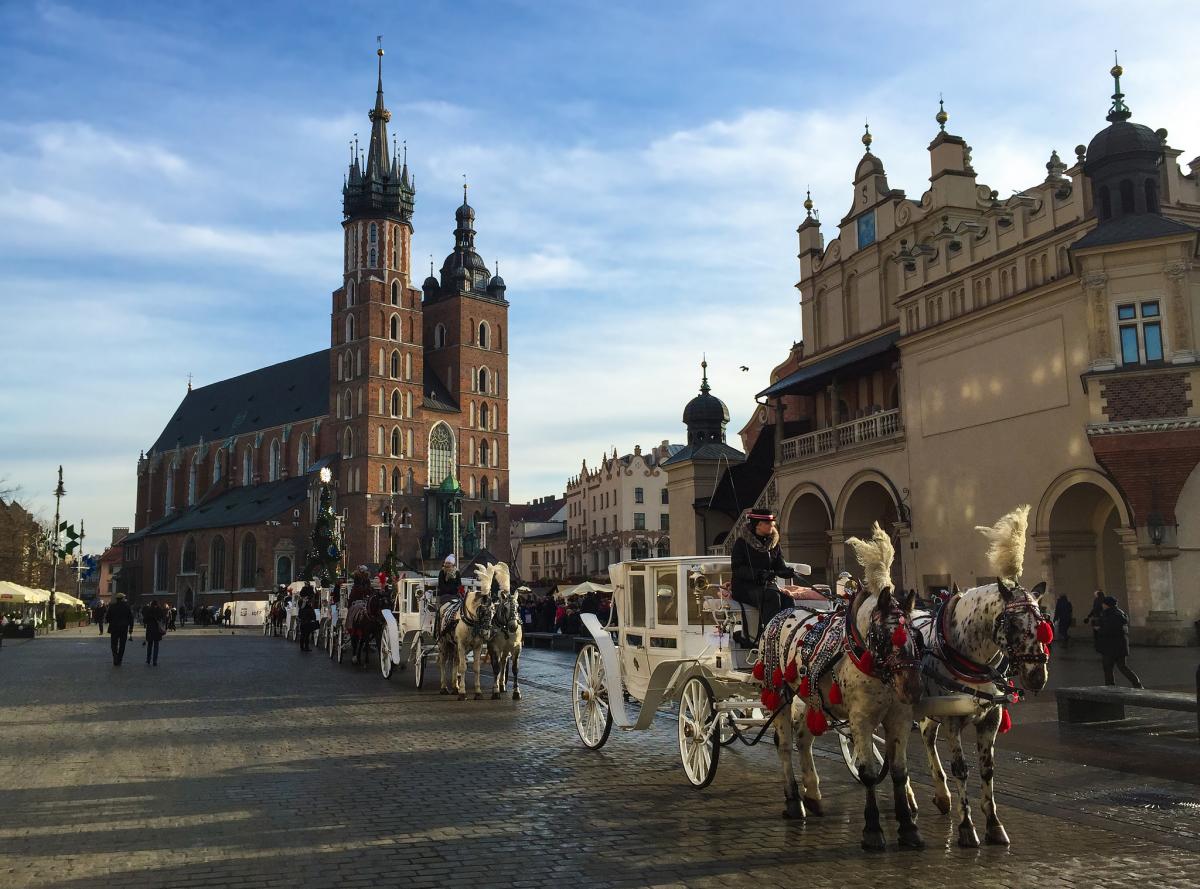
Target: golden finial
{"x":941,"y":117}
{"x":1116,"y":70}
{"x":379,"y":41}
{"x":808,"y":202}
{"x":866,"y":137}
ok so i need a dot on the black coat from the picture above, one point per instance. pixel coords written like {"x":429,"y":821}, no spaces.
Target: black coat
{"x":756,"y":566}
{"x":1063,"y":612}
{"x":1112,"y":634}
{"x":448,"y":584}
{"x":153,"y":617}
{"x":120,"y":618}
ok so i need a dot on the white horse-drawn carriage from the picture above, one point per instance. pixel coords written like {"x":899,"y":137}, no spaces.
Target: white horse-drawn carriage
{"x":408,"y":630}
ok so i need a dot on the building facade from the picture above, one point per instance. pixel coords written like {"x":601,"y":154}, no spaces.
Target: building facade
{"x":965,"y":353}
{"x":619,"y":510}
{"x":408,"y":408}
{"x":539,"y":538}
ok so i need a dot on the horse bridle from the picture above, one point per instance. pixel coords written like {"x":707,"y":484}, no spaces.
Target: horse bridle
{"x":1023,"y":603}
{"x":887,"y":658}
{"x":483,"y":617}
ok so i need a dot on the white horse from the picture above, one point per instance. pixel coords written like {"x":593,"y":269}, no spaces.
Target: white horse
{"x":466,"y":626}
{"x":504,"y":649}
{"x":977,"y":641}
{"x":861,"y":665}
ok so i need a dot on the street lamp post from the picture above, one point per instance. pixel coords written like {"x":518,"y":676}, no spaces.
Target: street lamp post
{"x":59,"y":493}
{"x":483,"y":526}
{"x":454,"y":518}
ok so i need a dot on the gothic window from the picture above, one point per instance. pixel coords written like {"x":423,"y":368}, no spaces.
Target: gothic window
{"x":249,"y":561}
{"x":1126,"y":196}
{"x":304,"y":456}
{"x":483,"y":453}
{"x":396,"y":480}
{"x":338,"y":405}
{"x":283,"y":570}
{"x":395,"y":248}
{"x":160,"y":568}
{"x":395,"y":327}
{"x":216,"y":564}
{"x":187,"y":564}
{"x":341,"y":367}
{"x":408,"y":404}
{"x":471,"y":487}
{"x":396,"y":442}
{"x":395,"y":402}
{"x":395,"y":293}
{"x":410,"y":481}
{"x":408,"y":447}
{"x":247,"y":467}
{"x":382,"y":479}
{"x":169,"y":494}
{"x":1151,"y":196}
{"x":483,"y":380}
{"x":395,"y":365}
{"x":379,"y":440}
{"x":484,"y":335}
{"x":349,"y":294}
{"x":471,"y":451}
{"x":441,"y":454}
{"x":483,"y":416}
{"x":193,"y":471}
{"x":483,"y":488}
{"x":471,"y":414}
{"x":407,"y":366}
{"x":274,"y":466}
{"x":348,"y":443}
{"x":373,"y":240}
{"x":358,"y":364}
{"x":439,"y":336}
{"x":349,"y":328}
{"x":471,"y":325}
{"x":348,"y":403}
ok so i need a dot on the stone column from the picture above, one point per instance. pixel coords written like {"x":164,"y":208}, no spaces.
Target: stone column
{"x":837,"y":552}
{"x":1139,"y":606}
{"x":1045,"y":563}
{"x":1100,"y":338}
{"x":908,"y":568}
{"x":1183,"y":349}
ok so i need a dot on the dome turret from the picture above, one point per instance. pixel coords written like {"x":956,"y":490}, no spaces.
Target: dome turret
{"x":705,"y":416}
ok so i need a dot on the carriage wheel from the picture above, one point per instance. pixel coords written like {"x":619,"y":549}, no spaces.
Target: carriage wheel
{"x":846,"y":742}
{"x":267,"y":627}
{"x":385,"y":656}
{"x":340,"y":644}
{"x":419,"y":669}
{"x":329,"y":641}
{"x":589,"y":698}
{"x":699,"y":732}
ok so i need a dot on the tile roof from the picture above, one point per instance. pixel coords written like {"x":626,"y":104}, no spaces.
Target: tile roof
{"x":535,"y":512}
{"x":710,"y":450}
{"x":237,"y":506}
{"x":292,"y":390}
{"x":437,"y":396}
{"x":1140,"y":227}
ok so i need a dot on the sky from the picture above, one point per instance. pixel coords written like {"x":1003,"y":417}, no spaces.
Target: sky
{"x":170,"y":186}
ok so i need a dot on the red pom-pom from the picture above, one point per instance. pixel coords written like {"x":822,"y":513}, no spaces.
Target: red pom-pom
{"x":816,"y":721}
{"x":1045,"y":632}
{"x":760,"y":671}
{"x":805,"y":688}
{"x":770,"y":699}
{"x":899,"y":637}
{"x":776,"y":677}
{"x":835,"y":694}
{"x":1005,"y":721}
{"x":791,"y":672}
{"x":866,"y":663}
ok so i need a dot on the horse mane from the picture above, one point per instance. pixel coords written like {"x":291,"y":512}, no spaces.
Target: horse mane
{"x":497,"y":571}
{"x":876,"y":556}
{"x":1006,"y":544}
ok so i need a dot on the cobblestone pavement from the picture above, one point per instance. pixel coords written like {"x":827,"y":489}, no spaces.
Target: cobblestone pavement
{"x":240,"y":762}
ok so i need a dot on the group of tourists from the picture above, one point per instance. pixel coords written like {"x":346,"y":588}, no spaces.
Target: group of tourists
{"x":155,"y":618}
{"x":546,"y":614}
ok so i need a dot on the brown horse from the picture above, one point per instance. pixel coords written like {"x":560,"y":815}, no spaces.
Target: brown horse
{"x":364,"y":623}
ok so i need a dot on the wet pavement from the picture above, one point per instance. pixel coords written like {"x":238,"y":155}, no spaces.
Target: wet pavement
{"x":240,"y":762}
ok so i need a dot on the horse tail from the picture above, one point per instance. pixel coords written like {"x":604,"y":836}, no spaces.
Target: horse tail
{"x":876,"y":556}
{"x":1006,"y":543}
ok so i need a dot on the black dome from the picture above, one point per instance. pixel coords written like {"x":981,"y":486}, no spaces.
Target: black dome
{"x":705,"y":409}
{"x":1121,"y":138}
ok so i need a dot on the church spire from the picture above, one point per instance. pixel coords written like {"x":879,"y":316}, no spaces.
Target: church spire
{"x":377,"y":153}
{"x":378,"y":185}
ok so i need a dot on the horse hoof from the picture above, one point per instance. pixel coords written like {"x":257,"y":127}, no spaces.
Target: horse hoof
{"x":478,"y":696}
{"x":516,"y":696}
{"x":943,"y":805}
{"x":444,"y":691}
{"x":967,"y":838}
{"x":996,"y":835}
{"x":911,"y":839}
{"x":813,"y":806}
{"x":495,"y":696}
{"x":873,"y":841}
{"x":793,"y":810}
{"x":463,"y":696}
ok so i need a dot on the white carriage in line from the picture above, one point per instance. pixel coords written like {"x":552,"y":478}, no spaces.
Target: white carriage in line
{"x":408,"y":628}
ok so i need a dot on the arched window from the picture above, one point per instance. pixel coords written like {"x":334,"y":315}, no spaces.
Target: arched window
{"x":483,"y":488}
{"x":216,"y":473}
{"x":441,"y":454}
{"x":161,"y":568}
{"x":439,"y":336}
{"x":395,"y":293}
{"x":283,"y":570}
{"x":274,"y":464}
{"x":1151,"y":196}
{"x":1105,"y":203}
{"x":373,"y":245}
{"x":169,"y":493}
{"x":395,"y":246}
{"x":1126,"y":196}
{"x":349,"y":328}
{"x":394,"y":330}
{"x":396,"y":442}
{"x":408,"y":447}
{"x":396,"y":402}
{"x":187,"y":564}
{"x":483,"y":416}
{"x":483,"y":453}
{"x":247,"y":467}
{"x":348,"y":443}
{"x":303,"y":455}
{"x":410,"y":481}
{"x":193,"y":471}
{"x":348,"y":403}
{"x":249,"y":562}
{"x":382,"y":479}
{"x":483,"y":379}
{"x":471,"y":414}
{"x":349,"y":294}
{"x":408,"y":365}
{"x":216,"y":564}
{"x":358,"y":364}
{"x":396,"y":480}
{"x":484,"y":335}
{"x":471,"y":488}
{"x":395,"y":365}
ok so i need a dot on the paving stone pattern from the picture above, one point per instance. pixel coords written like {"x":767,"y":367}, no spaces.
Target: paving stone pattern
{"x":240,"y":762}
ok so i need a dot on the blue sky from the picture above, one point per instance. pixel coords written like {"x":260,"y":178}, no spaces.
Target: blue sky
{"x":170,"y":188}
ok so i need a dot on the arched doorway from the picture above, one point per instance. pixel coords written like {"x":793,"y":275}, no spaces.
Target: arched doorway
{"x":806,"y":535}
{"x":865,"y":501}
{"x":1085,"y":545}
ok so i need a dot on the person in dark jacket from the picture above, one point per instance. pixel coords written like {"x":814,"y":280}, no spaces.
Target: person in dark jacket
{"x":1063,"y":615}
{"x":1093,"y":617}
{"x":449,"y":583}
{"x":756,"y":560}
{"x":308,"y":623}
{"x":120,"y":621}
{"x":154,"y":617}
{"x":100,"y":618}
{"x":1112,"y":639}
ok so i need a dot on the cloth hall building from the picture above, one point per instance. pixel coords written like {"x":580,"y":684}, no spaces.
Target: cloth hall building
{"x":965,"y":353}
{"x":407,"y":407}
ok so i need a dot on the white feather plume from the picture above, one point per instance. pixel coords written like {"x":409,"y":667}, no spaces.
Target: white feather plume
{"x":497,"y":571}
{"x":1006,"y":544}
{"x":876,"y":556}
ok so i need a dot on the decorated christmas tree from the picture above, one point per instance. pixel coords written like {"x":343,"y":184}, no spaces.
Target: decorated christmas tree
{"x":326,"y":549}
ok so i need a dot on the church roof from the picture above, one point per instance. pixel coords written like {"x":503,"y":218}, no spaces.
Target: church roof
{"x":1141,"y":227}
{"x":290,"y":391}
{"x":709,"y":450}
{"x":437,"y":396}
{"x":240,"y":505}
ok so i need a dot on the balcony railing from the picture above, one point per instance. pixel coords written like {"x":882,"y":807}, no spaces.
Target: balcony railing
{"x":865,"y":430}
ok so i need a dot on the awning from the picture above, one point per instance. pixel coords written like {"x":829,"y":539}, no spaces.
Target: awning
{"x":814,"y":376}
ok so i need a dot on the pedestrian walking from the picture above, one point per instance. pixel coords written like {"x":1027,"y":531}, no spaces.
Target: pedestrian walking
{"x":1112,"y":637}
{"x":308,"y":622}
{"x":155,"y":619}
{"x":1093,"y":617}
{"x":1064,"y":615}
{"x":120,"y":622}
{"x":100,"y":617}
